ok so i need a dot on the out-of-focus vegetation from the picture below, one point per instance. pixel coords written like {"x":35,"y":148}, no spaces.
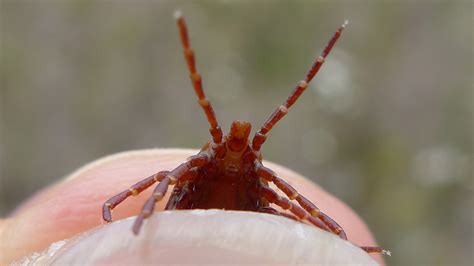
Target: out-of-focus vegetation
{"x":387,"y":125}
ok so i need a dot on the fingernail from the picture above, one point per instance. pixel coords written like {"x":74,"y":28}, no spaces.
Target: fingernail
{"x":203,"y":237}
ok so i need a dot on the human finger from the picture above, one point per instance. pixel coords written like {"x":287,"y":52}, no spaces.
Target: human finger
{"x":73,"y":205}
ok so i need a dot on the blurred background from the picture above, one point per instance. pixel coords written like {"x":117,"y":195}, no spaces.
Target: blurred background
{"x":387,"y":125}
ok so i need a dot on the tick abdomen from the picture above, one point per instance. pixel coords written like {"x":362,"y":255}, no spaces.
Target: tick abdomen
{"x":217,"y":190}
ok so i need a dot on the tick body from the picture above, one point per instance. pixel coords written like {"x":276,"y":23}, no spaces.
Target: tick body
{"x":228,"y":172}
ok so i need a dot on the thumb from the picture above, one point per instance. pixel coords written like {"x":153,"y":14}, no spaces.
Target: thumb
{"x":73,"y":205}
{"x":204,"y":237}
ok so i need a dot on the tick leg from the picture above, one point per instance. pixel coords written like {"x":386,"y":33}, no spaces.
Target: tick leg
{"x":270,"y":210}
{"x":292,"y":194}
{"x":299,"y":212}
{"x":376,"y":250}
{"x":133,"y":190}
{"x":282,"y":110}
{"x":183,"y":171}
{"x":215,"y":130}
{"x":158,"y":193}
{"x":317,"y":217}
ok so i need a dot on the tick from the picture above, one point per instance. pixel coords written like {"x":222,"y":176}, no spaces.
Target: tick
{"x":228,"y":172}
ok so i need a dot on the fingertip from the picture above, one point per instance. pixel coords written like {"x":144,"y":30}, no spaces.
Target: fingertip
{"x":223,"y":237}
{"x":73,"y":205}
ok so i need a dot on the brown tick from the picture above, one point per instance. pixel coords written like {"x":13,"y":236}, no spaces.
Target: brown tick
{"x":228,"y":173}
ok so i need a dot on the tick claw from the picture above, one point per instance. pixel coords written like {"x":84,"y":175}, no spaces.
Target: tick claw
{"x":387,"y":252}
{"x":137,"y":225}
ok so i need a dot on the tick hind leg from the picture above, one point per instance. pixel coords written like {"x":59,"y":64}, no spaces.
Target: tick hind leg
{"x":187,"y":170}
{"x":302,"y":214}
{"x":298,"y":215}
{"x":270,"y":210}
{"x":309,"y":211}
{"x":292,"y":194}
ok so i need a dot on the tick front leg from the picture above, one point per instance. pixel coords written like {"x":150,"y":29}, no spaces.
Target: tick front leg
{"x":183,"y":171}
{"x":196,"y":80}
{"x":133,"y":190}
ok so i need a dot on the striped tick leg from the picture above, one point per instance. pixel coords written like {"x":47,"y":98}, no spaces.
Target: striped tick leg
{"x":133,"y":190}
{"x":215,"y":130}
{"x":183,"y":171}
{"x":292,"y":194}
{"x":376,"y":250}
{"x":316,"y":217}
{"x":273,"y":197}
{"x":270,"y":210}
{"x":282,"y":110}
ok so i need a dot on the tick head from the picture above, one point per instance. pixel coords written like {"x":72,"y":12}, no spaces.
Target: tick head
{"x":238,"y":136}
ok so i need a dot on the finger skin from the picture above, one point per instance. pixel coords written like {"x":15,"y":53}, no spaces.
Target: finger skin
{"x":74,"y":204}
{"x":203,"y":237}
